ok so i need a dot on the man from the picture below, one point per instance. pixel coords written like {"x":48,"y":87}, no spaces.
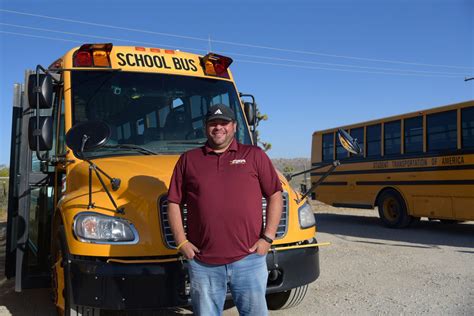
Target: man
{"x":222,"y":184}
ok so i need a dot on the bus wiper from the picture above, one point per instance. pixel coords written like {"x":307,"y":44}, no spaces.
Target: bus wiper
{"x":133,"y":147}
{"x":191,"y":142}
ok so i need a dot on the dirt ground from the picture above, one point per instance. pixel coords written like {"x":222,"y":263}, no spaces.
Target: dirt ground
{"x":368,"y":269}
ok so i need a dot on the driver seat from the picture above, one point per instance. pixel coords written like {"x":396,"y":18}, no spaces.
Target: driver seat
{"x":177,"y":125}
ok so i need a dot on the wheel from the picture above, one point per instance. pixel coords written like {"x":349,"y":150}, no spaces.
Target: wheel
{"x":286,"y":299}
{"x":61,"y":286}
{"x":393,"y":210}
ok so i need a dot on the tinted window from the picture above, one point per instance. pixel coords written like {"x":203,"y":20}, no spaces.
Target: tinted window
{"x":467,"y":123}
{"x":441,"y":131}
{"x":358,"y":133}
{"x":340,"y":151}
{"x":414,"y":135}
{"x":392,"y":138}
{"x":373,"y":140}
{"x":328,"y":146}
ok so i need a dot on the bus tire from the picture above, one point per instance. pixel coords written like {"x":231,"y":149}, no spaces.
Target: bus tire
{"x":61,"y":282}
{"x":286,"y":299}
{"x":393,"y":210}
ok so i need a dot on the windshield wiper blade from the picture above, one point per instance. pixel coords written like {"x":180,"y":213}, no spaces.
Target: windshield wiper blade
{"x":190,"y":142}
{"x":133,"y":147}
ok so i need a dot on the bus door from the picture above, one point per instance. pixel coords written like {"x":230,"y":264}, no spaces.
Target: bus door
{"x":30,"y":206}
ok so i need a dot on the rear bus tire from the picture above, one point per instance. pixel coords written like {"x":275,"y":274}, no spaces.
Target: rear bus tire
{"x":286,"y":299}
{"x":393,"y":210}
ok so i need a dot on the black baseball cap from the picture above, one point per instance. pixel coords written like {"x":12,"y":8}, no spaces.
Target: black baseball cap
{"x":220,"y":112}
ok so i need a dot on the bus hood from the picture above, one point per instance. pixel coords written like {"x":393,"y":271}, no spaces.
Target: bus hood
{"x":141,"y":177}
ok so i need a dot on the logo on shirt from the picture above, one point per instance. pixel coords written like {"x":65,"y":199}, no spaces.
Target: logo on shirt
{"x":238,"y":162}
{"x":218,"y":111}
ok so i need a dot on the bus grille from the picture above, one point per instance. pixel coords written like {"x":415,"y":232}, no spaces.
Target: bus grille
{"x":168,"y":236}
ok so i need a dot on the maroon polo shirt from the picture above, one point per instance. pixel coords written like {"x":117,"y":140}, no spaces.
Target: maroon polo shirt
{"x":223,"y":193}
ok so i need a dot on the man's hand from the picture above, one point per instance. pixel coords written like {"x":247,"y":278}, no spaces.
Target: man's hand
{"x":261,"y":247}
{"x":188,"y":250}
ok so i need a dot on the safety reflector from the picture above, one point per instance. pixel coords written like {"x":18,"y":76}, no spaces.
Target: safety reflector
{"x":141,"y":49}
{"x":154,"y":50}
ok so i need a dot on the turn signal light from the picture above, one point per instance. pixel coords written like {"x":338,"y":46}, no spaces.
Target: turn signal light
{"x":92,"y":55}
{"x":216,"y":65}
{"x":101,"y":58}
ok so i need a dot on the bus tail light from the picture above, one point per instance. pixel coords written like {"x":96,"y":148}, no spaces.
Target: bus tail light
{"x":93,"y":55}
{"x":216,"y":65}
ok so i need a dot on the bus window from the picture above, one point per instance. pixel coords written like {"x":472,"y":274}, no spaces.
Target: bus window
{"x":126,"y":131}
{"x":414,"y":135}
{"x":467,"y":123}
{"x":119,"y":133}
{"x":328,"y":147}
{"x":140,"y":126}
{"x":441,"y":131}
{"x":358,"y":133}
{"x":392,"y":138}
{"x":373,"y":140}
{"x":151,"y":120}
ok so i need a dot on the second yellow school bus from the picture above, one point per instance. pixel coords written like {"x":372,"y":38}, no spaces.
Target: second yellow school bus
{"x":413,"y":165}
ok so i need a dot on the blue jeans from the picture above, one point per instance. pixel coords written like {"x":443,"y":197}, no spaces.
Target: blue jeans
{"x":247,"y":281}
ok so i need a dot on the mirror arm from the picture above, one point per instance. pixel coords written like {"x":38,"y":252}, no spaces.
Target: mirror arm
{"x":335,"y":164}
{"x":247,"y":95}
{"x":291,"y":175}
{"x":115,"y":184}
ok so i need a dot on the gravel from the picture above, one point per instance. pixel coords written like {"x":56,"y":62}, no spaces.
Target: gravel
{"x":368,"y":269}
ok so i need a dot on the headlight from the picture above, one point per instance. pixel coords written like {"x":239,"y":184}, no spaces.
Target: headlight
{"x":98,"y":228}
{"x":306,"y":216}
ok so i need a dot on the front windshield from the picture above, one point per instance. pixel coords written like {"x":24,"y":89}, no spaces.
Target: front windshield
{"x":161,"y":113}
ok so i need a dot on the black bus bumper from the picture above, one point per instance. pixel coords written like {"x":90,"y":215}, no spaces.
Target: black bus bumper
{"x":116,"y":286}
{"x":292,"y":268}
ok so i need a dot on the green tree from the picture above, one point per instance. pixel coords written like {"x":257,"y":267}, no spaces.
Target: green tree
{"x":262,"y":117}
{"x":4,"y":171}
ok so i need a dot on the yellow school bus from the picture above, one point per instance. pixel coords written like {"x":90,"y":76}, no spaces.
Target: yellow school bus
{"x":414,"y":165}
{"x":95,"y":138}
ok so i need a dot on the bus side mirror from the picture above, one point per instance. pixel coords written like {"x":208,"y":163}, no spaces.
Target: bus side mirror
{"x":86,"y":136}
{"x":45,"y":133}
{"x":350,"y":144}
{"x":42,"y":90}
{"x":249,"y":109}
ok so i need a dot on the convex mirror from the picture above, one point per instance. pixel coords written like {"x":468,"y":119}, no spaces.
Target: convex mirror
{"x":42,"y":89}
{"x":44,"y":132}
{"x":86,"y":136}
{"x":249,"y":109}
{"x":350,"y":144}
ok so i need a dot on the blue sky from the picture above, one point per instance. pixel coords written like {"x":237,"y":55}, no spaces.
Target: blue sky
{"x":311,"y":65}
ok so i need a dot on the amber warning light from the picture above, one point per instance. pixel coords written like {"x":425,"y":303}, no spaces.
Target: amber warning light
{"x":216,"y":65}
{"x":93,"y":55}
